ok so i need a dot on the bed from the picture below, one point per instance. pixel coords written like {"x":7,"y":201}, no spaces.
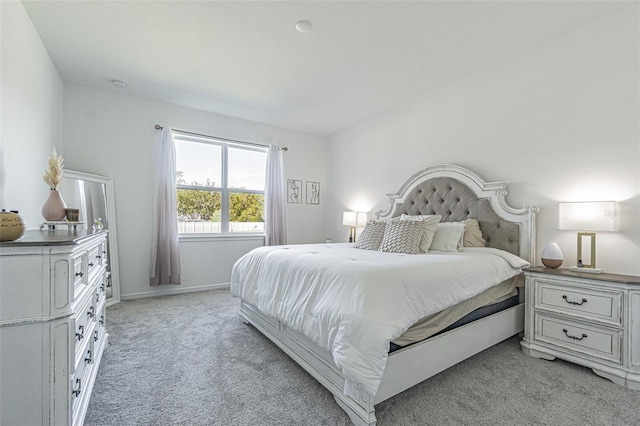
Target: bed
{"x":337,"y":322}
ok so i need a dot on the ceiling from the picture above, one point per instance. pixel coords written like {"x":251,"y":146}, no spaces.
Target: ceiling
{"x":246,"y":59}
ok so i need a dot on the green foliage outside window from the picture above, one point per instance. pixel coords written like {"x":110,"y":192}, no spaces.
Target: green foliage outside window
{"x":195,"y":204}
{"x":246,"y":207}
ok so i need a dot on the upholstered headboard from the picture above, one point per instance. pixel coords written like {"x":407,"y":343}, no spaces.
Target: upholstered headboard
{"x":457,"y":194}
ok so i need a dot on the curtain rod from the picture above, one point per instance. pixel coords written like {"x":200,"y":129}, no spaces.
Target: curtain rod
{"x":159,"y":127}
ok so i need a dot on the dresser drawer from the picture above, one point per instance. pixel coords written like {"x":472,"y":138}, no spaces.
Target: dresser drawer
{"x":597,"y":304}
{"x":85,"y":322}
{"x":95,"y":260}
{"x":79,"y":274}
{"x":589,"y":339}
{"x":81,"y":376}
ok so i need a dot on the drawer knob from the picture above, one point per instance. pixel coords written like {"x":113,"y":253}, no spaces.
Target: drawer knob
{"x":76,"y":392}
{"x":79,"y":274}
{"x":80,"y":333}
{"x":571,"y":302}
{"x":566,"y":333}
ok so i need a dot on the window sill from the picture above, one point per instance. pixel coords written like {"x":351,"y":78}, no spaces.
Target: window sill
{"x":194,"y":238}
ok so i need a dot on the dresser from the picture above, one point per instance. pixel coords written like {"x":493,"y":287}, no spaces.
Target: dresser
{"x":589,"y":319}
{"x":52,"y":325}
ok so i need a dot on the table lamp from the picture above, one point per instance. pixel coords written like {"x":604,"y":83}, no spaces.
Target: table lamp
{"x":587,"y":218}
{"x":353,"y":220}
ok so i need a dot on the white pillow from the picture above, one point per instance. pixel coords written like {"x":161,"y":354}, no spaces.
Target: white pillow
{"x":403,"y":236}
{"x":431,"y":225}
{"x":448,"y":237}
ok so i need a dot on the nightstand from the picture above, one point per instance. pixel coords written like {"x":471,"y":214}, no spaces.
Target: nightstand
{"x":591,"y":320}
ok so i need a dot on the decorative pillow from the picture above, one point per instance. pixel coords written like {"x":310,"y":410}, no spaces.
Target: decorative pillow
{"x":372,"y":234}
{"x":403,"y":237}
{"x":431,"y":222}
{"x":448,"y":237}
{"x":472,"y":234}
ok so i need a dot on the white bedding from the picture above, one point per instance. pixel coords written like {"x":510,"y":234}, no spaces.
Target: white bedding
{"x":353,"y":302}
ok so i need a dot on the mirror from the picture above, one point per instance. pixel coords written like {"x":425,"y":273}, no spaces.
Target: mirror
{"x":93,"y":196}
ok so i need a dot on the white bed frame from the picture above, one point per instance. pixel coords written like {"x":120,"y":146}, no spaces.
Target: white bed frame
{"x":407,"y":367}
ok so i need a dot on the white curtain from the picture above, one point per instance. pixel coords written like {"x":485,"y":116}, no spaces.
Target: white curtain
{"x":276,"y":195}
{"x":165,"y":255}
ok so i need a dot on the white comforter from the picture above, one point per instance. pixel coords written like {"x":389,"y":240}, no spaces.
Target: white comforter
{"x":353,"y":302}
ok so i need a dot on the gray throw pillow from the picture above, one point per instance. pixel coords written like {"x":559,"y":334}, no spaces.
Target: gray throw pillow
{"x":371,"y":236}
{"x":403,"y":237}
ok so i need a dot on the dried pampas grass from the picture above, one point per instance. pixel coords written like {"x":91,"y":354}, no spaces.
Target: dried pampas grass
{"x":53,"y":175}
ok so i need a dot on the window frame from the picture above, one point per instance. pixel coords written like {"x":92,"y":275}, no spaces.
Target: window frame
{"x":224,"y":190}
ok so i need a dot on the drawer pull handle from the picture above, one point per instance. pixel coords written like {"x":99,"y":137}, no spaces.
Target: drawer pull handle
{"x":76,"y":392}
{"x":88,"y":359}
{"x":584,"y":336}
{"x":582,"y":302}
{"x":95,"y":336}
{"x":91,"y":264}
{"x":91,"y":312}
{"x":101,"y":320}
{"x":79,"y":274}
{"x":80,"y":333}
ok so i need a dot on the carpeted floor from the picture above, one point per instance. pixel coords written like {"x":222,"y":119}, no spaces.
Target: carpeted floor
{"x":189,"y":360}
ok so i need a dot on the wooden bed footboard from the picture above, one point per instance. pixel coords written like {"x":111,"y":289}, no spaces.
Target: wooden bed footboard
{"x":405,"y":367}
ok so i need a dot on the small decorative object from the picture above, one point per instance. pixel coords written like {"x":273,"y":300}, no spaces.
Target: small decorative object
{"x":97,"y":225}
{"x":54,"y":208}
{"x":73,"y":215}
{"x":12,"y":226}
{"x":552,"y":255}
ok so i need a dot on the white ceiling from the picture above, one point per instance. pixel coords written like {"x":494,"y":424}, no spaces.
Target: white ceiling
{"x":246,"y":59}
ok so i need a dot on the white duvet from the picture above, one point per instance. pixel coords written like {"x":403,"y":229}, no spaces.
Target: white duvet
{"x":353,"y":302}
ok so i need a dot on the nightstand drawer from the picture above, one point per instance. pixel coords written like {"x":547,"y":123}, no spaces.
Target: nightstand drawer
{"x":592,"y":340}
{"x":596,"y":304}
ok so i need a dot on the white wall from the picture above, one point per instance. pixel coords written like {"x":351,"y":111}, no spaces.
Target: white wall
{"x":560,"y":121}
{"x":30,"y":114}
{"x":112,"y":134}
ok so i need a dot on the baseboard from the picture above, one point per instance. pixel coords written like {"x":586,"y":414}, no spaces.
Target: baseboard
{"x":172,"y":290}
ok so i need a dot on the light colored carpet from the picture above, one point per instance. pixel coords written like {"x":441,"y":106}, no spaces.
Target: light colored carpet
{"x":189,"y":360}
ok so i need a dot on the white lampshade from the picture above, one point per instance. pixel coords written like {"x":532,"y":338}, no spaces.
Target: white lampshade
{"x":349,"y":218}
{"x":591,"y":216}
{"x":354,"y":219}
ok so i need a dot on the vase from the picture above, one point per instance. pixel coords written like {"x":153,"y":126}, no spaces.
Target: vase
{"x":12,"y":226}
{"x":53,"y":208}
{"x":552,"y":255}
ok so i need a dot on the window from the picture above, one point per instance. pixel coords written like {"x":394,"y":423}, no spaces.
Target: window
{"x":220,"y":186}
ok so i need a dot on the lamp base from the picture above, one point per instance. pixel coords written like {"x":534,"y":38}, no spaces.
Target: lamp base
{"x":587,"y":270}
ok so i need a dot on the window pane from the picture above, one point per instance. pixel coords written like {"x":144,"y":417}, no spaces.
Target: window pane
{"x":247,"y":168}
{"x":246,"y":212}
{"x":198,"y":211}
{"x":198,"y":163}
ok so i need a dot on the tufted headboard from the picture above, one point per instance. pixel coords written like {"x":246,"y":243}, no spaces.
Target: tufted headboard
{"x":457,"y":194}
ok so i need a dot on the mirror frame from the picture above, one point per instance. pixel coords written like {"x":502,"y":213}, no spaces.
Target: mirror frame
{"x":111,"y":220}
